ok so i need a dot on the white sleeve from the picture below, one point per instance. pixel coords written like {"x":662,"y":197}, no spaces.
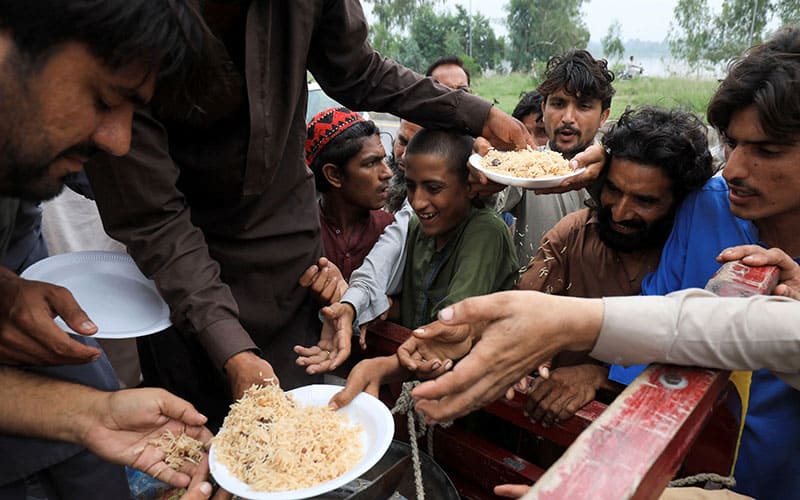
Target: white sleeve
{"x":695,"y":327}
{"x":381,"y":273}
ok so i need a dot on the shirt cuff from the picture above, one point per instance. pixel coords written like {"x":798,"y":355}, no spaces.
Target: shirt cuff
{"x":474,"y":111}
{"x":635,"y":330}
{"x":366,"y":309}
{"x":223,"y":339}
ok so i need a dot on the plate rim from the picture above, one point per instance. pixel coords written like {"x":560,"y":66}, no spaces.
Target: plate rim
{"x":523,"y":182}
{"x":359,"y":469}
{"x":35,"y":272}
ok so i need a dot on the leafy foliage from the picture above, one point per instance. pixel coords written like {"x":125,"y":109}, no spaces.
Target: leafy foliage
{"x":612,"y":42}
{"x":539,"y":29}
{"x":704,"y":40}
{"x":415,"y":33}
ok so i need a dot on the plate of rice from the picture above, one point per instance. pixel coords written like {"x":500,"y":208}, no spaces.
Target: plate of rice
{"x":276,"y":445}
{"x":529,"y":168}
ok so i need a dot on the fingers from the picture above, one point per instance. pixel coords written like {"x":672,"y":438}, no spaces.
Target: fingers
{"x":199,"y":488}
{"x":481,"y":146}
{"x":176,"y":408}
{"x":42,"y":342}
{"x":362,"y":336}
{"x":309,"y":276}
{"x":344,"y":397}
{"x":754,"y":255}
{"x":64,"y":305}
{"x":511,"y":490}
{"x":787,"y":291}
{"x":475,"y":309}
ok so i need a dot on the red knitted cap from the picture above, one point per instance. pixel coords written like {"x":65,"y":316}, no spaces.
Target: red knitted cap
{"x":325,"y":126}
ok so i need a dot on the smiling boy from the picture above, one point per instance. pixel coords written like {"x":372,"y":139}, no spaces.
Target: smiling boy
{"x":455,"y":250}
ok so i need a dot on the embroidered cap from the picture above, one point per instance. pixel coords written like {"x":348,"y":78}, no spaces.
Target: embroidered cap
{"x":325,"y":126}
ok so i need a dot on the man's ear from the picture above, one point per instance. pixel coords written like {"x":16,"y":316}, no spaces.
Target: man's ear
{"x":333,"y":175}
{"x":604,"y":115}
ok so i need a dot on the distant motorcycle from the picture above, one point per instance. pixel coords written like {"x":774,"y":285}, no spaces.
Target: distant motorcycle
{"x":631,"y":72}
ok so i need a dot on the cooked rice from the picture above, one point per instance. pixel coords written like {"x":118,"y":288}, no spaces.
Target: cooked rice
{"x":180,"y":449}
{"x":273,"y":444}
{"x":526,"y":164}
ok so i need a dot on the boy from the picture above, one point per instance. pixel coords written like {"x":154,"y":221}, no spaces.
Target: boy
{"x":455,"y":250}
{"x":348,"y":160}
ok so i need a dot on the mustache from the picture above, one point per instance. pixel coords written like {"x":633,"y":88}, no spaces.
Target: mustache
{"x":569,"y":128}
{"x":633,"y":224}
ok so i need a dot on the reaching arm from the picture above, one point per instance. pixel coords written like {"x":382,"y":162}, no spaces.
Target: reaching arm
{"x":117,"y":426}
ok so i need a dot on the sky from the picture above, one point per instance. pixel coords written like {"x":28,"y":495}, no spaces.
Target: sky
{"x":642,"y":19}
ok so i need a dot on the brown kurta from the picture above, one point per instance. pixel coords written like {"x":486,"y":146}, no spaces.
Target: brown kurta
{"x":572,"y":260}
{"x":223,"y":215}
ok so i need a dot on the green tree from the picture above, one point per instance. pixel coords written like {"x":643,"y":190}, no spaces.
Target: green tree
{"x":612,"y":42}
{"x":788,"y":11}
{"x":702,"y":39}
{"x":540,"y":29}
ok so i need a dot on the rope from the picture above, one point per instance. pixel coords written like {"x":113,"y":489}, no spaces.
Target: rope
{"x":726,"y":481}
{"x":405,"y":404}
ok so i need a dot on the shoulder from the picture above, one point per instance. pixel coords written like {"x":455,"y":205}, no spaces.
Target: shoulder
{"x":485,"y":220}
{"x":573,"y":222}
{"x":381,"y":217}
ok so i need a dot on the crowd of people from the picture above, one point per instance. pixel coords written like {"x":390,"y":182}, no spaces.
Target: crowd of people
{"x":275,"y":242}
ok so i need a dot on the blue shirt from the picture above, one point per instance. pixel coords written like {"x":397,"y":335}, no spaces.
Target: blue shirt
{"x":767,"y":466}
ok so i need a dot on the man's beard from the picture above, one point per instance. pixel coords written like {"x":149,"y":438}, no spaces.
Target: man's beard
{"x":397,"y":189}
{"x":648,"y":236}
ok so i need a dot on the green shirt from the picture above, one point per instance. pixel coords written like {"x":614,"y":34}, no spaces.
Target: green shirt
{"x":479,"y":258}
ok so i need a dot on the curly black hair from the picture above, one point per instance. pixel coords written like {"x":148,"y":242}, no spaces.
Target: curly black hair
{"x":579,"y":74}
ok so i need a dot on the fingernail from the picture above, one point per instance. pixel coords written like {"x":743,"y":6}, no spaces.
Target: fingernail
{"x":420,"y":331}
{"x":436,"y":366}
{"x":573,"y":164}
{"x":88,"y":325}
{"x":205,"y":488}
{"x":448,"y":364}
{"x":446,"y":314}
{"x":333,"y":406}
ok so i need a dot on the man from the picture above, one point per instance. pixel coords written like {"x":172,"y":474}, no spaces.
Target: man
{"x":529,"y":111}
{"x":655,"y":157}
{"x":216,"y":204}
{"x":72,"y":74}
{"x":350,"y":172}
{"x":577,"y":95}
{"x":450,"y":72}
{"x":397,"y":186}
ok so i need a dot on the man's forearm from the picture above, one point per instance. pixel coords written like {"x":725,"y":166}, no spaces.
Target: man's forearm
{"x":37,"y":406}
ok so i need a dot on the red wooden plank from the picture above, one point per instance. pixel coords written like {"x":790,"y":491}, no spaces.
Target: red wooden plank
{"x":634,"y":448}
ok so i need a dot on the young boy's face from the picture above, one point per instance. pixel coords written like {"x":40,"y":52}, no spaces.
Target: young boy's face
{"x":439,"y":196}
{"x":366,"y":181}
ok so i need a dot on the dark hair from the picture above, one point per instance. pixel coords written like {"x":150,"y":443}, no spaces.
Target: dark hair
{"x":448,"y":60}
{"x":531,"y":102}
{"x":768,"y":77}
{"x":453,"y":149}
{"x":340,"y":150}
{"x":167,"y":33}
{"x":579,"y":75}
{"x":672,"y":140}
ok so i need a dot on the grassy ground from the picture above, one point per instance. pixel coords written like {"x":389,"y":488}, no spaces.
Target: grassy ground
{"x":667,"y":92}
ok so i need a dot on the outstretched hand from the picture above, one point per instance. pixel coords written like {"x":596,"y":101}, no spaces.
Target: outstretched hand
{"x":335,"y":340}
{"x":28,"y":333}
{"x":325,"y":281}
{"x":122,"y":424}
{"x":520,"y":331}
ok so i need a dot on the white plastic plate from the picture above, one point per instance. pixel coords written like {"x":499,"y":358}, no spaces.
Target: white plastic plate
{"x":378,"y":428}
{"x":120,"y":300}
{"x":528,"y":183}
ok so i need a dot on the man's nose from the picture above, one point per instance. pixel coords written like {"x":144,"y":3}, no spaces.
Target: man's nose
{"x":623,"y":209}
{"x":386,"y":171}
{"x":113,"y":133}
{"x":735,"y":165}
{"x":569,"y":114}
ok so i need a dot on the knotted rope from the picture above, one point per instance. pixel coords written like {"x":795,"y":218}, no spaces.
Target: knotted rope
{"x":405,"y":404}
